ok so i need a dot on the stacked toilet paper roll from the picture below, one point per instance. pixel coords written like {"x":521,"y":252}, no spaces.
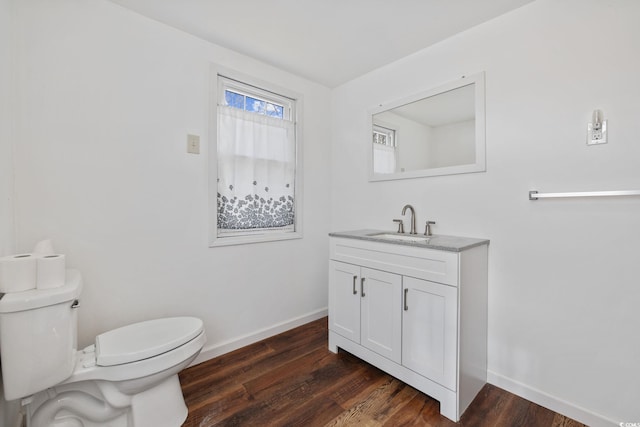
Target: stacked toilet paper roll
{"x":18,"y":273}
{"x":50,"y":271}
{"x":42,"y":269}
{"x":44,"y":247}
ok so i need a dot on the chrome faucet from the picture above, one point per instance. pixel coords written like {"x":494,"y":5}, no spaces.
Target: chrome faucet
{"x":413,"y":218}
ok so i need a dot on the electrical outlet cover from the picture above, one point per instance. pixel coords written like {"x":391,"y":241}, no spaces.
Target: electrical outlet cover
{"x":597,"y":137}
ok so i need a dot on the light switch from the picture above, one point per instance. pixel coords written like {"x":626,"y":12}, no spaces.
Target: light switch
{"x":193,"y":144}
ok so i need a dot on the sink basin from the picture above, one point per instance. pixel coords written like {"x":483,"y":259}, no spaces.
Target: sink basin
{"x":402,"y":237}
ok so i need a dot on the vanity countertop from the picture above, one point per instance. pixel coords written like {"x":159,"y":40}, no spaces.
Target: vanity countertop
{"x":438,"y":242}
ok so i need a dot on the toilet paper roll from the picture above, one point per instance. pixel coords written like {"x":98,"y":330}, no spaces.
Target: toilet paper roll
{"x":44,"y":247}
{"x":51,"y":271}
{"x":18,"y":273}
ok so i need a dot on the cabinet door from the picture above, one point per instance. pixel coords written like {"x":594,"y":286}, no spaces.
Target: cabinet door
{"x":344,"y":299}
{"x":381,"y":302}
{"x":429,"y":333}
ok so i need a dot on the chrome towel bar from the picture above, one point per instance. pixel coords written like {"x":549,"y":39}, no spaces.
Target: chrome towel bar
{"x":534,"y":195}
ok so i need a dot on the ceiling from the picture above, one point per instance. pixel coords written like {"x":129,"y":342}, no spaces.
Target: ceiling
{"x":326,"y":41}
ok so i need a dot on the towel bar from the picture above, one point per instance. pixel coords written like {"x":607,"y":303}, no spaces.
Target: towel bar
{"x":534,"y":195}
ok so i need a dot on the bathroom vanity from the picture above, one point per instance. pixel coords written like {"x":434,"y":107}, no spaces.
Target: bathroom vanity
{"x":415,"y":307}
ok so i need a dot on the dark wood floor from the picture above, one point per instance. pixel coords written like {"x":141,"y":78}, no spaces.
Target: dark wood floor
{"x":292,"y":379}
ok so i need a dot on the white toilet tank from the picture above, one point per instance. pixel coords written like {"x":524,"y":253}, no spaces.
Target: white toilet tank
{"x":38,"y":337}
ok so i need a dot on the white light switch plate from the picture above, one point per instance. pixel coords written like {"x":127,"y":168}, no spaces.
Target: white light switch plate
{"x":193,"y":144}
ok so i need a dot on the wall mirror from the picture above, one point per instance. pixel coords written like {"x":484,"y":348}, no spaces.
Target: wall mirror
{"x":440,"y":131}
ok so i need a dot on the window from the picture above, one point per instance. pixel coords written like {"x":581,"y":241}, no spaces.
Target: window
{"x":257,"y":170}
{"x":384,"y":147}
{"x":384,"y":136}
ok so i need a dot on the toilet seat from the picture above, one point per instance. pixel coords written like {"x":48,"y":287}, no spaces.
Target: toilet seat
{"x":182,"y":338}
{"x":143,"y":340}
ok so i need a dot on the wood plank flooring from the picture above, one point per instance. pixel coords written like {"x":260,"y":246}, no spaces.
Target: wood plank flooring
{"x":292,"y":379}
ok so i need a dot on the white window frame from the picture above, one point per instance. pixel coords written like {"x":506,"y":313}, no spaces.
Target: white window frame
{"x":389,"y":132}
{"x":247,"y":237}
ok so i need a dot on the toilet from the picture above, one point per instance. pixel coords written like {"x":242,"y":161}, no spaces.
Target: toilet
{"x":127,"y":378}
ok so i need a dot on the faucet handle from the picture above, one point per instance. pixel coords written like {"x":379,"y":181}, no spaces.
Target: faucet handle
{"x":427,"y":228}
{"x":400,"y":225}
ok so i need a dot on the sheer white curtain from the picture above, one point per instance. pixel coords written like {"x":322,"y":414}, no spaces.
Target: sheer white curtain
{"x":256,"y":171}
{"x":384,"y":159}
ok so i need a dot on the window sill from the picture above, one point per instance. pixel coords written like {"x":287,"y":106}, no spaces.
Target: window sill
{"x":253,"y":238}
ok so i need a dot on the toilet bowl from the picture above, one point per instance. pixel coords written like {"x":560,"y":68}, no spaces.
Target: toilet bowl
{"x":127,"y":378}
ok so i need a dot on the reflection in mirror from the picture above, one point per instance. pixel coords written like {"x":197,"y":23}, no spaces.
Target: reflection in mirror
{"x":437,"y":132}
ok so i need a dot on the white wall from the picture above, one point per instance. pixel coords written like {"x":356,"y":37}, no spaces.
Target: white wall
{"x":106,"y":100}
{"x":6,"y":157}
{"x":8,"y":410}
{"x":564,"y":274}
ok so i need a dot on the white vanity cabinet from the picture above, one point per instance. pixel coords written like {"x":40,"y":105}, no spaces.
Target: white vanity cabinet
{"x":364,"y":305}
{"x":415,"y":310}
{"x":429,"y":320}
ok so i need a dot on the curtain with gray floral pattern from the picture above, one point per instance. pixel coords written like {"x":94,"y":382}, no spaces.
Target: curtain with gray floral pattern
{"x":256,"y":171}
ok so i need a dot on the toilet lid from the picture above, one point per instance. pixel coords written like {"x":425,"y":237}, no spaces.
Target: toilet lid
{"x":145,"y":339}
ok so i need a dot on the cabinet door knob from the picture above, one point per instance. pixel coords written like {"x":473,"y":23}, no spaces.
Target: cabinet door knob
{"x":406,"y":305}
{"x":354,"y":285}
{"x":362,"y":287}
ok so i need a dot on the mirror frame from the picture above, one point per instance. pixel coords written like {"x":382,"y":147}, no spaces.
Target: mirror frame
{"x":480,"y":143}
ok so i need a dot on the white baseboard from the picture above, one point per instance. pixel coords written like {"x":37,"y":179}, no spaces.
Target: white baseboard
{"x":550,"y":402}
{"x":218,"y":349}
